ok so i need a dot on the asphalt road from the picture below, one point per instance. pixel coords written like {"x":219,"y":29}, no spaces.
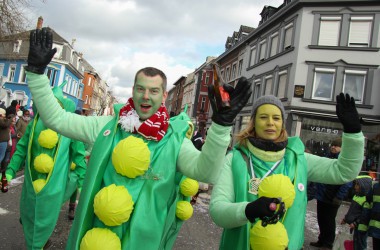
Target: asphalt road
{"x":199,"y":232}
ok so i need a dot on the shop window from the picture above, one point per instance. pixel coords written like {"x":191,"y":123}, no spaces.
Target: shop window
{"x":323,"y":84}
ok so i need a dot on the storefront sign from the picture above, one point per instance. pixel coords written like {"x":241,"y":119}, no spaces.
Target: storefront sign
{"x":320,"y":129}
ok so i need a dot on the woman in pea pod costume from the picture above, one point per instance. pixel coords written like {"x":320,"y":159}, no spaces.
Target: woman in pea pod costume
{"x":271,"y":215}
{"x":48,"y":181}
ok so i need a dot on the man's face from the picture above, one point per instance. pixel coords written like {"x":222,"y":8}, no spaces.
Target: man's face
{"x":148,"y":95}
{"x":268,"y":122}
{"x":334,"y":149}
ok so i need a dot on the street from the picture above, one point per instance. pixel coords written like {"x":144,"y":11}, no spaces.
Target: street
{"x":199,"y":232}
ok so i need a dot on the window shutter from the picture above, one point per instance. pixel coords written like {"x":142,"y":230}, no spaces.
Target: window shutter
{"x":360,"y":33}
{"x":329,"y":33}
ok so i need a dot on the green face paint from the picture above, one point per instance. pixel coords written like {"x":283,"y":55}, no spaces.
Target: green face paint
{"x":148,"y":95}
{"x":268,"y":122}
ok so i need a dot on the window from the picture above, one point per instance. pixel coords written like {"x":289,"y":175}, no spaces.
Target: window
{"x":263,"y":46}
{"x":240,"y":67}
{"x":233,"y":73}
{"x":329,"y":31}
{"x":52,"y":75}
{"x":227,"y":78}
{"x":244,"y":122}
{"x":16,"y":46}
{"x":288,"y":36}
{"x":323,"y":83}
{"x":257,"y":89}
{"x":12,"y":71}
{"x":283,"y":77}
{"x":273,"y":44}
{"x":268,"y":85}
{"x":1,"y":69}
{"x":354,"y":81}
{"x":360,"y":31}
{"x":207,"y":79}
{"x":22,"y":74}
{"x":89,"y":81}
{"x":203,"y":103}
{"x":253,"y":56}
{"x":86,"y":99}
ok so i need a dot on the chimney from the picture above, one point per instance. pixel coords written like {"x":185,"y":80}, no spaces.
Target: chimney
{"x":40,"y":22}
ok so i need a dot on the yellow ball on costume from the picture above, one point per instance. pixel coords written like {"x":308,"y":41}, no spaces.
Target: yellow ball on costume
{"x":48,"y":138}
{"x":273,"y":236}
{"x":189,"y":187}
{"x":113,"y":205}
{"x":100,"y":239}
{"x":38,"y":185}
{"x":278,"y":186}
{"x":131,"y":157}
{"x":73,"y":166}
{"x":43,"y":163}
{"x":184,"y":210}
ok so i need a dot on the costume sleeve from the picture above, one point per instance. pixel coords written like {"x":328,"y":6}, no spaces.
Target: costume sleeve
{"x":79,"y":158}
{"x":19,"y":156}
{"x":224,"y":211}
{"x":205,"y":165}
{"x":341,"y":170}
{"x":81,"y":128}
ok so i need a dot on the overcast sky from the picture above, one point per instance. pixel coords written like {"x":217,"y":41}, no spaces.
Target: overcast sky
{"x":118,"y":37}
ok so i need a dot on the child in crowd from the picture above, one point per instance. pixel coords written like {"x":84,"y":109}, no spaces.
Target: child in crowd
{"x":355,"y":216}
{"x":373,"y":215}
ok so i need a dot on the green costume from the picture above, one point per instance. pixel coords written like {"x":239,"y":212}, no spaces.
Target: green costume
{"x":230,"y":194}
{"x":153,"y":224}
{"x":40,"y":209}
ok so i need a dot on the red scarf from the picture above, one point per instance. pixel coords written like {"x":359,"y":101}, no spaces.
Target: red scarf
{"x":153,"y":128}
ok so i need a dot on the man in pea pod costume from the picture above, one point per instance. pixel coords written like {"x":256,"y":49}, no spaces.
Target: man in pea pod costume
{"x":48,"y":180}
{"x":130,"y":197}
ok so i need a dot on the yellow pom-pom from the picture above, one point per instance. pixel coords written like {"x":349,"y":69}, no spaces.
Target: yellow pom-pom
{"x":100,"y":239}
{"x":184,"y":210}
{"x":73,"y":166}
{"x":189,"y":187}
{"x":38,"y":185}
{"x":273,"y":236}
{"x":43,"y":163}
{"x":131,"y":157}
{"x":113,"y":205}
{"x":278,"y":186}
{"x":48,"y":138}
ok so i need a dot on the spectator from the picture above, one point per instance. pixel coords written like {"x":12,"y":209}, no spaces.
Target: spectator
{"x":12,"y":109}
{"x":355,"y":217}
{"x":329,"y":198}
{"x":22,"y":123}
{"x":4,"y":134}
{"x":373,"y":216}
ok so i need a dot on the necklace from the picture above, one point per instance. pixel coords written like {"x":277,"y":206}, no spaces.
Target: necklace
{"x":254,"y":182}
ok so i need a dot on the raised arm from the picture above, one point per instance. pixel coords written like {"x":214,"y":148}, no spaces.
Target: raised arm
{"x":68,"y":124}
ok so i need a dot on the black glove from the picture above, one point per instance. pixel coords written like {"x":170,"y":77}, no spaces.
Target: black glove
{"x":40,"y":50}
{"x":238,"y":99}
{"x":260,"y":208}
{"x":347,"y":113}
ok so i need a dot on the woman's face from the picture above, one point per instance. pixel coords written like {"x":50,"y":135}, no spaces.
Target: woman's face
{"x":268,"y":122}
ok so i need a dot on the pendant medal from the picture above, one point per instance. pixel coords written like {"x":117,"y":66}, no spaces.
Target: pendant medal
{"x":253,"y":185}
